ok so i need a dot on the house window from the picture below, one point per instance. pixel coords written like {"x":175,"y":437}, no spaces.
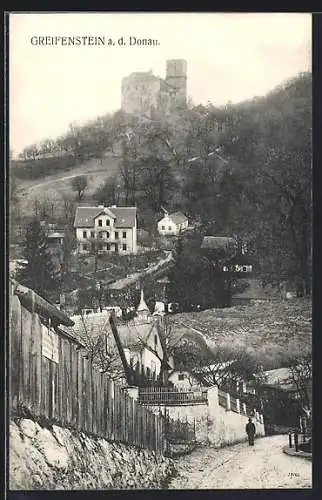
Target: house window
{"x":181,"y":376}
{"x":107,"y":222}
{"x":107,"y":234}
{"x":169,"y":228}
{"x":92,"y":234}
{"x":100,"y":246}
{"x":100,"y":222}
{"x":124,"y":247}
{"x":85,"y":247}
{"x":108,"y":246}
{"x":124,"y":234}
{"x":100,"y":235}
{"x":116,"y":235}
{"x":163,"y":228}
{"x":84,"y":234}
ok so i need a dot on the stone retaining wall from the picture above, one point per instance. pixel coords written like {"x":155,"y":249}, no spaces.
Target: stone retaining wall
{"x":59,"y":459}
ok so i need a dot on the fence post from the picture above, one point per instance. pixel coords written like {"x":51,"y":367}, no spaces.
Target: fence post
{"x":228,"y":406}
{"x":244,"y":409}
{"x":238,"y":405}
{"x":133,"y":392}
{"x":290,"y":439}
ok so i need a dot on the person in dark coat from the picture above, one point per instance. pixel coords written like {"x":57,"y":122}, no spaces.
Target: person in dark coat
{"x":250,"y":431}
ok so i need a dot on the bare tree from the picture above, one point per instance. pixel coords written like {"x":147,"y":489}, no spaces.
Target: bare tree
{"x":300,"y":368}
{"x":99,"y":351}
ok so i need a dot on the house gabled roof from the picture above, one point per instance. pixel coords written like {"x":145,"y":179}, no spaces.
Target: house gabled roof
{"x":84,"y":216}
{"x":124,"y":216}
{"x":88,"y":325}
{"x":132,"y":335}
{"x":176,"y":217}
{"x":105,"y":211}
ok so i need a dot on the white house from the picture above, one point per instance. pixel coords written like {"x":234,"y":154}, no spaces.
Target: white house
{"x":139,"y":337}
{"x":109,"y":229}
{"x":172,"y":224}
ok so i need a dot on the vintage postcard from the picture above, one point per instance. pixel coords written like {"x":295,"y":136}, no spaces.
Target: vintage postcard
{"x":160,"y":251}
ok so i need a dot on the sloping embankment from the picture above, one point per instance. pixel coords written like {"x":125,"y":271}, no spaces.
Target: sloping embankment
{"x":59,"y":459}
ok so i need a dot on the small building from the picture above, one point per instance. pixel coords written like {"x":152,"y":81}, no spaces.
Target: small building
{"x":140,"y":339}
{"x":219,"y":247}
{"x":173,"y":224}
{"x":106,"y":229}
{"x":55,"y":239}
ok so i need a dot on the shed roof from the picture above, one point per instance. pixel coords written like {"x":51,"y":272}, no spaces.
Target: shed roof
{"x":279,"y":377}
{"x":221,"y":245}
{"x":124,"y":216}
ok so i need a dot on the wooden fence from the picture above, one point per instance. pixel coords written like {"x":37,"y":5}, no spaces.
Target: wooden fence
{"x":50,"y":376}
{"x":170,"y":396}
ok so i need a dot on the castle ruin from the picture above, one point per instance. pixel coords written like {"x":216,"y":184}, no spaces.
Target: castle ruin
{"x":144,"y":93}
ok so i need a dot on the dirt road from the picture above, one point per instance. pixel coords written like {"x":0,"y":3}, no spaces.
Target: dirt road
{"x":243,"y":467}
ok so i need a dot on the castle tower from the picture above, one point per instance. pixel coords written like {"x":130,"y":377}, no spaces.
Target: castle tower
{"x":176,"y":78}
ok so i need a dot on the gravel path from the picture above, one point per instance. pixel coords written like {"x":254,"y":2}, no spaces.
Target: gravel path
{"x":242,"y":467}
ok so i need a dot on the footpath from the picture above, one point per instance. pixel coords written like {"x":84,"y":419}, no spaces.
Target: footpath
{"x":240,"y":466}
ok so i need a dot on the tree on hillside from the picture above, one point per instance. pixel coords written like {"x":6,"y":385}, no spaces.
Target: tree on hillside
{"x":79,"y":184}
{"x":69,"y":245}
{"x":39,"y":273}
{"x":108,"y":193}
{"x":195,"y":280}
{"x":224,"y":367}
{"x":270,"y":139}
{"x":68,"y":209}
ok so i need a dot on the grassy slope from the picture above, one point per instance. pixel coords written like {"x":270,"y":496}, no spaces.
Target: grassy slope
{"x":268,"y":329}
{"x":58,"y":186}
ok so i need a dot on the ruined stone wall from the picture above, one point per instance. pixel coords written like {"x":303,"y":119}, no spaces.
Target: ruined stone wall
{"x":58,"y":459}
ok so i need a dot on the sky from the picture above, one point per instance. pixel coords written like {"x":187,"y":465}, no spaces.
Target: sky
{"x":230,"y":57}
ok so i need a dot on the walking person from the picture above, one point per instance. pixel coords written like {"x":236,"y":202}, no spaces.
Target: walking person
{"x":250,"y":431}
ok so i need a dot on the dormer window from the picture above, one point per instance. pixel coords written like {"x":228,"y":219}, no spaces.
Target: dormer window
{"x":107,"y":222}
{"x":100,"y":222}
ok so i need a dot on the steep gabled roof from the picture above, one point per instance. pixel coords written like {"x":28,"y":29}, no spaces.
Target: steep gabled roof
{"x":124,"y":216}
{"x":106,"y":211}
{"x":84,"y":216}
{"x":88,"y":325}
{"x":177,"y":217}
{"x":132,"y":335}
{"x":135,"y":335}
